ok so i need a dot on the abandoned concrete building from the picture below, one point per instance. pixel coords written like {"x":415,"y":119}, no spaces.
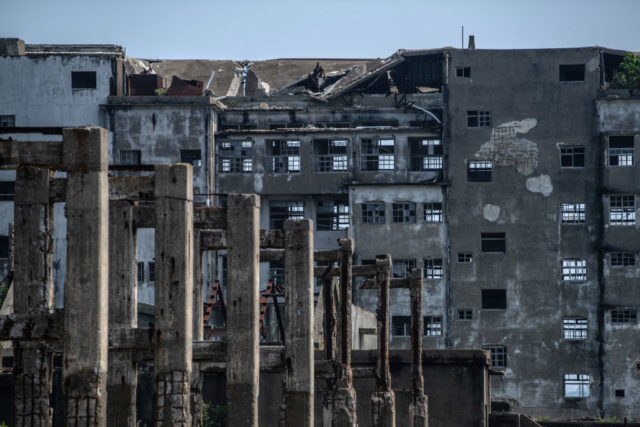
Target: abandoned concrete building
{"x":508,"y":176}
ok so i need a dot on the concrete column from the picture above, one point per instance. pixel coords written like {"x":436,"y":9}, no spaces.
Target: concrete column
{"x":122,"y":378}
{"x":383,"y":400}
{"x":298,"y":384}
{"x":198,"y":331}
{"x":328,"y":288}
{"x":418,"y":408}
{"x":173,"y":293}
{"x":243,"y":311}
{"x":33,"y":293}
{"x":85,"y":295}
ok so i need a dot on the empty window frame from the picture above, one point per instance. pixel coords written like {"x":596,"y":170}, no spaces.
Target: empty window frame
{"x":622,"y":259}
{"x":281,"y":210}
{"x":7,"y":121}
{"x":377,"y":155}
{"x":283,"y":156}
{"x":83,"y":79}
{"x":572,"y":156}
{"x":574,"y":328}
{"x":373,"y":213}
{"x":493,"y":242}
{"x":619,"y":392}
{"x":332,"y":215}
{"x":479,"y":171}
{"x":573,"y":213}
{"x":130,"y":157}
{"x":498,"y":355}
{"x":433,"y":268}
{"x":463,"y":72}
{"x":571,"y":72}
{"x":401,"y":326}
{"x":426,"y":154}
{"x":191,"y":156}
{"x":433,"y":212}
{"x":235,"y":156}
{"x":7,"y":190}
{"x":330,"y":155}
{"x":402,"y":267}
{"x":432,"y":326}
{"x":152,"y":272}
{"x":624,"y":316}
{"x":140,"y":272}
{"x":574,"y":270}
{"x":276,"y":272}
{"x":621,"y":150}
{"x":622,"y":209}
{"x":478,"y":119}
{"x":576,"y":385}
{"x":403,"y":212}
{"x":494,"y":299}
{"x":4,"y":247}
{"x":465,"y":314}
{"x":465,"y":257}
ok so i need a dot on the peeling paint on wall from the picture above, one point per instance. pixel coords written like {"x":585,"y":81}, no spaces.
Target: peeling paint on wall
{"x":491,"y":212}
{"x":540,"y":184}
{"x":506,"y":149}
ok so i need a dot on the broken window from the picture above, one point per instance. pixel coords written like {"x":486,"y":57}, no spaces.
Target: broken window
{"x":140,"y":272}
{"x":574,"y":328}
{"x":377,"y":155}
{"x":281,"y":210}
{"x":572,"y":156}
{"x":7,"y":190}
{"x":621,"y":150}
{"x":571,"y":72}
{"x":426,"y":154}
{"x":83,"y":79}
{"x":432,"y":326}
{"x":622,"y":209}
{"x":330,"y":155}
{"x":4,"y":247}
{"x":7,"y":121}
{"x":433,"y":212}
{"x":404,"y":212}
{"x":373,"y":213}
{"x":276,"y":272}
{"x":463,"y":72}
{"x":576,"y":385}
{"x":332,"y":215}
{"x":465,"y":314}
{"x":130,"y":157}
{"x":401,"y":326}
{"x":624,"y":316}
{"x":152,"y":272}
{"x":493,"y":242}
{"x":402,"y":267}
{"x":283,"y":156}
{"x":574,"y":270}
{"x":622,"y":259}
{"x":498,"y":355}
{"x":479,"y":171}
{"x":193,"y":157}
{"x":494,"y":299}
{"x":433,"y":268}
{"x":478,"y":119}
{"x":465,"y":257}
{"x":235,"y":156}
{"x":573,"y":213}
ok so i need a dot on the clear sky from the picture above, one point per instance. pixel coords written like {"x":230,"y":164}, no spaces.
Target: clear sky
{"x":263,"y":29}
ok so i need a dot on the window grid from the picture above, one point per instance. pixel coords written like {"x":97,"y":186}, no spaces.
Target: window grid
{"x":235,"y":157}
{"x":621,"y":150}
{"x":465,"y":257}
{"x":478,"y":119}
{"x":130,"y":157}
{"x":479,"y":171}
{"x":493,"y":242}
{"x":574,"y":328}
{"x":284,"y":156}
{"x":401,"y":326}
{"x":432,"y":326}
{"x":402,"y":267}
{"x":622,"y":209}
{"x":373,"y":213}
{"x":332,"y":215}
{"x":498,"y":355}
{"x":574,"y":270}
{"x":426,"y":154}
{"x":152,"y":272}
{"x":624,"y":316}
{"x":330,"y":155}
{"x":623,"y":259}
{"x":465,"y":314}
{"x":7,"y":121}
{"x":404,"y":212}
{"x":280,"y":210}
{"x":576,"y":385}
{"x":573,"y":213}
{"x":463,"y":72}
{"x":276,"y":273}
{"x":572,"y":156}
{"x":377,"y":155}
{"x":433,"y":268}
{"x":140,"y":272}
{"x":433,"y":212}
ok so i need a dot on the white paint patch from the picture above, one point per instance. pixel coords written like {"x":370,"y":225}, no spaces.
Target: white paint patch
{"x":491,"y":212}
{"x":521,"y":126}
{"x":593,"y":63}
{"x":257,"y":182}
{"x":504,"y":148}
{"x":540,"y":184}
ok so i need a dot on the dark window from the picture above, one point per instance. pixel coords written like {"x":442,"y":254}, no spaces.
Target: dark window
{"x":624,"y":316}
{"x":433,"y":268}
{"x":498,"y":355}
{"x":572,"y":156}
{"x":140,"y":272}
{"x":478,"y":119}
{"x":7,"y":121}
{"x":280,"y":210}
{"x":432,"y":326}
{"x":493,"y":242}
{"x":83,"y":79}
{"x":465,"y":314}
{"x":574,"y":328}
{"x":479,"y":171}
{"x":330,"y":155}
{"x":465,"y":257}
{"x":463,"y":71}
{"x":377,"y":155}
{"x":130,"y":157}
{"x":401,"y":326}
{"x":235,"y":156}
{"x":7,"y":190}
{"x":433,"y":212}
{"x":402,"y":267}
{"x":283,"y":156}
{"x":332,"y":215}
{"x":619,"y":392}
{"x":621,"y":150}
{"x":572,"y":73}
{"x":494,"y":299}
{"x":4,"y":246}
{"x":623,"y":259}
{"x":404,"y":212}
{"x":622,"y":209}
{"x":193,"y":157}
{"x":373,"y":213}
{"x":426,"y":154}
{"x":152,"y":272}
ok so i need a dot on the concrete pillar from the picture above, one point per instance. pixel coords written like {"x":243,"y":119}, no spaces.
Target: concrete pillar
{"x":122,"y":378}
{"x":85,"y":296}
{"x":328,"y":289}
{"x":418,"y":416}
{"x":383,"y":400}
{"x":198,"y":331}
{"x":173,"y":293}
{"x":243,"y":312}
{"x":298,"y":384}
{"x":33,"y":293}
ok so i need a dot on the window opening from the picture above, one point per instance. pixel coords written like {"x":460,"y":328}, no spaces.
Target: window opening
{"x":432,"y":326}
{"x":624,"y":316}
{"x":83,"y":79}
{"x":479,"y":171}
{"x":404,"y":212}
{"x":280,"y":210}
{"x":574,"y":270}
{"x":621,"y":150}
{"x":152,"y":272}
{"x":478,"y":119}
{"x":402,"y":267}
{"x":276,"y":272}
{"x":377,"y":155}
{"x":235,"y":156}
{"x":332,"y":215}
{"x":140,"y":272}
{"x":4,"y":247}
{"x":433,"y":212}
{"x":433,"y":268}
{"x":572,"y":156}
{"x":130,"y":157}
{"x":574,"y":328}
{"x":426,"y":154}
{"x":7,"y":190}
{"x":284,"y":156}
{"x":465,"y":257}
{"x":330,"y":155}
{"x":401,"y":326}
{"x":7,"y":121}
{"x":619,"y":392}
{"x":193,"y":157}
{"x":494,"y":299}
{"x":623,"y":259}
{"x":573,"y":213}
{"x":571,"y":73}
{"x":498,"y":355}
{"x":463,"y":72}
{"x":622,"y":209}
{"x":373,"y":213}
{"x":493,"y":242}
{"x":576,"y":385}
{"x":465,"y":314}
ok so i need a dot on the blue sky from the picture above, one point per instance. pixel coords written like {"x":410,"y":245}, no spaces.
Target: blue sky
{"x":254,"y":29}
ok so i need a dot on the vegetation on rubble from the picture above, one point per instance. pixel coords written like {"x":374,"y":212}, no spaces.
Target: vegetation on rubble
{"x":213,"y":415}
{"x":628,"y":76}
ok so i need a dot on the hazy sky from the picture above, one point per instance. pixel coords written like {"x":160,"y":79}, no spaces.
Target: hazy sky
{"x":262,"y":29}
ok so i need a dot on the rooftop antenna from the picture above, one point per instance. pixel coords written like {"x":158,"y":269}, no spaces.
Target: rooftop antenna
{"x":462,"y":39}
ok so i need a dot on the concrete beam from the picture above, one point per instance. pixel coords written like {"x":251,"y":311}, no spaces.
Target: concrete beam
{"x":45,"y":154}
{"x":211,"y":240}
